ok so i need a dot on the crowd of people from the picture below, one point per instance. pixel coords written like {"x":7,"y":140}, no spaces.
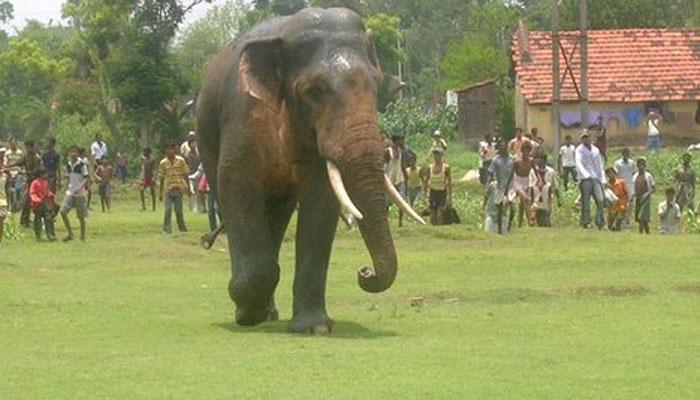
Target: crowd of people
{"x":30,"y":182}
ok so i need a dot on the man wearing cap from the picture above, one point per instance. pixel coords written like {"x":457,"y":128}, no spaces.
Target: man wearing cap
{"x":395,"y":168}
{"x":438,"y":141}
{"x":188,"y":145}
{"x":590,"y":172}
{"x":440,"y":187}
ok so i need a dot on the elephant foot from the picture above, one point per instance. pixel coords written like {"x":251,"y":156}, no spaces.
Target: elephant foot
{"x":249,"y":317}
{"x":312,"y":322}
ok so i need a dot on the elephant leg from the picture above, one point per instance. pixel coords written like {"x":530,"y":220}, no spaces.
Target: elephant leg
{"x":254,"y":268}
{"x":280,"y":211}
{"x":317,"y":221}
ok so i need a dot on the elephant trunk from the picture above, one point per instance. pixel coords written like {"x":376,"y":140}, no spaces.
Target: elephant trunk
{"x":361,"y":166}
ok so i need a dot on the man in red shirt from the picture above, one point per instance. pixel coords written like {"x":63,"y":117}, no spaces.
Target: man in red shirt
{"x":41,"y":201}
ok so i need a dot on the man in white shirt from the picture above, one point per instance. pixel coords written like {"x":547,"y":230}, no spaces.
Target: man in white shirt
{"x":653,"y":132}
{"x":567,"y":161}
{"x":625,"y":168}
{"x":98,"y":149}
{"x":188,"y":145}
{"x":590,"y":171}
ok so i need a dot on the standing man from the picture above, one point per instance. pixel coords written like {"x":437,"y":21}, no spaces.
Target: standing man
{"x":98,"y":150}
{"x":188,"y":145}
{"x":502,"y":169}
{"x":589,"y":168}
{"x":487,"y":152}
{"x":396,"y":168}
{"x":31,"y":162}
{"x":148,"y":181}
{"x":567,"y":161}
{"x":439,"y":141}
{"x":653,"y":131}
{"x":52,"y":164}
{"x":76,"y":194}
{"x":173,"y":173}
{"x":543,"y":181}
{"x":521,"y":182}
{"x":440,"y":187}
{"x":684,"y":176}
{"x":625,"y":168}
{"x":644,"y":187}
{"x":14,"y":183}
{"x":3,"y":194}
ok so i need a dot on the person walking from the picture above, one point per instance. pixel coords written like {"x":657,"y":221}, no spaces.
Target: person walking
{"x":173,"y":172}
{"x":148,"y":167}
{"x":439,"y":186}
{"x":502,"y":170}
{"x":31,"y":162}
{"x":41,"y":200}
{"x":76,"y":194}
{"x":589,"y":169}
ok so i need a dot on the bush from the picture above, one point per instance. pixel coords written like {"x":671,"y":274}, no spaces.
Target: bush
{"x":414,"y":122}
{"x":71,"y":130}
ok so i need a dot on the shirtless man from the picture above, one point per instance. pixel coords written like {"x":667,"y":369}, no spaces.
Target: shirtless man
{"x":521,"y":181}
{"x":148,"y":165}
{"x":515,"y":145}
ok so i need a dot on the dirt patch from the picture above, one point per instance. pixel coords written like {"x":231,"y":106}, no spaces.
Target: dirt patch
{"x":610,"y":291}
{"x":693,"y":288}
{"x":511,"y":296}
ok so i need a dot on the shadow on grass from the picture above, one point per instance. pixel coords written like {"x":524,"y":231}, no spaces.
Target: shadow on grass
{"x":341,"y":330}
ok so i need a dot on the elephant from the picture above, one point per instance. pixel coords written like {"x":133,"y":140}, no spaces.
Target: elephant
{"x":286,"y":120}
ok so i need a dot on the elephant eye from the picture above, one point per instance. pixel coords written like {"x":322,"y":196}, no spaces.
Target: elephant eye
{"x":315,"y":91}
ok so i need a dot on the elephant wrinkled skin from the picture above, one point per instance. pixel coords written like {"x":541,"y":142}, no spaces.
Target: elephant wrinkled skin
{"x":278,"y":110}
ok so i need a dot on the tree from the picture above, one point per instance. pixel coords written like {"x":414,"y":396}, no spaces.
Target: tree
{"x":385,"y":34}
{"x":6,"y":11}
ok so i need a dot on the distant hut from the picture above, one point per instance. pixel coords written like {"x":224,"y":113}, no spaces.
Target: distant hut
{"x":476,"y":110}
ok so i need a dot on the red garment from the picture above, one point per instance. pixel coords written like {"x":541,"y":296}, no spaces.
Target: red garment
{"x":39,"y":191}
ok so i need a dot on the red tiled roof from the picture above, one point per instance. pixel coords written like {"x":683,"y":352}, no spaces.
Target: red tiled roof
{"x":628,"y":65}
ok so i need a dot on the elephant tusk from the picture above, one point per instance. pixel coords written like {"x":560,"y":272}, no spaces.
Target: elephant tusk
{"x":400,"y":201}
{"x":339,"y":190}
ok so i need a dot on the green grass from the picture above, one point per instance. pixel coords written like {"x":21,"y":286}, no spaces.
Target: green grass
{"x":541,"y":314}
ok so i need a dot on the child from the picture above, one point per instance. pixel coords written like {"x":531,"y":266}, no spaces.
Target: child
{"x":76,"y":195}
{"x":415,"y":181}
{"x":617,"y":210}
{"x":669,"y":214}
{"x":644,"y":187}
{"x":490,"y":211}
{"x":148,"y":166}
{"x":543,"y":181}
{"x":103,"y":175}
{"x":42,"y":203}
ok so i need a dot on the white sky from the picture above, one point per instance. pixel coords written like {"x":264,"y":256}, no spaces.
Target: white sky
{"x":50,"y":10}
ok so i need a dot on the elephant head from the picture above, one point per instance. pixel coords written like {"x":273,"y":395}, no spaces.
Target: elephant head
{"x":320,"y":72}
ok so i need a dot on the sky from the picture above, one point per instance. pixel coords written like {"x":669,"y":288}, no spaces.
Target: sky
{"x":50,"y":10}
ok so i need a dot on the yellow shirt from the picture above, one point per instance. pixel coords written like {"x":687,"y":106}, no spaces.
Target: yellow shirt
{"x":174,"y":173}
{"x":413,"y":177}
{"x":437,"y":180}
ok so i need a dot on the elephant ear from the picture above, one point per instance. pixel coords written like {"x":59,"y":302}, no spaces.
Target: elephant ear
{"x":260,"y":71}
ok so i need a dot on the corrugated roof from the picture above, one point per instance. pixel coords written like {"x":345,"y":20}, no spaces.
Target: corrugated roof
{"x":627,"y":65}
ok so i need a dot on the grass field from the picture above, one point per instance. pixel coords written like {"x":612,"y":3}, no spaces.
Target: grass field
{"x":541,"y":314}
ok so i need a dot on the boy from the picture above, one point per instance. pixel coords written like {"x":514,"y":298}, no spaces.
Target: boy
{"x":669,"y":214}
{"x":76,"y":194}
{"x":543,"y":179}
{"x":489,"y":210}
{"x":415,"y":181}
{"x":148,"y":166}
{"x":617,"y":210}
{"x":104,"y":175}
{"x":644,"y":187}
{"x":567,"y":161}
{"x":41,"y":200}
{"x":174,"y":175}
{"x":625,"y":168}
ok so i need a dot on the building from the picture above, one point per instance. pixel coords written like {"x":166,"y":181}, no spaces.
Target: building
{"x":476,"y":110}
{"x":631,"y":72}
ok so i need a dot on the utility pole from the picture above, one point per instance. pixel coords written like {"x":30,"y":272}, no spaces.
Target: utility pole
{"x":583,"y":22}
{"x":556,"y":83}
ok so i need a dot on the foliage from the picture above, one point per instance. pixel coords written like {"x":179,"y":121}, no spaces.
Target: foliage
{"x":287,"y":7}
{"x":72,"y":130}
{"x":385,"y":35}
{"x":410,"y":119}
{"x":12,"y":229}
{"x":6,"y":10}
{"x":471,"y":61}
